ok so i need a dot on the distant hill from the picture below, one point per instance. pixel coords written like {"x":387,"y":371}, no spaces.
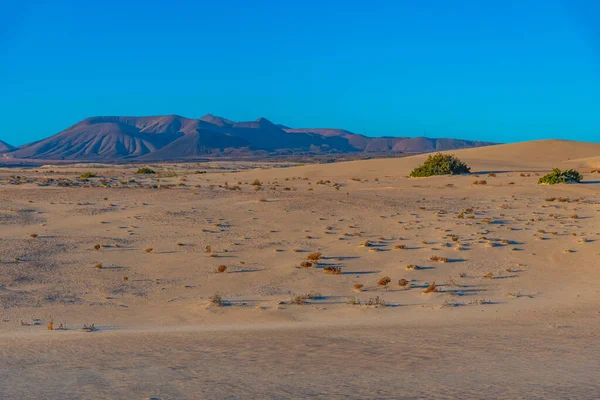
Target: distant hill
{"x":173,"y":137}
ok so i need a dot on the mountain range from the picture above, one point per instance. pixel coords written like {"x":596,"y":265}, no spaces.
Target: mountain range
{"x":172,"y":137}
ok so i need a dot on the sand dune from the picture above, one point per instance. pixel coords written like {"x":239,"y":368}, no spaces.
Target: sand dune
{"x":513,"y":266}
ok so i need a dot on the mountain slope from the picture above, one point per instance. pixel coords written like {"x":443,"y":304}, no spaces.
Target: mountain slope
{"x":5,"y":147}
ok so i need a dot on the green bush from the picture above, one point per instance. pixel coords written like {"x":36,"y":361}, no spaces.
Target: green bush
{"x":88,"y":175}
{"x":440,"y":164}
{"x":145,"y":170}
{"x":558,"y":176}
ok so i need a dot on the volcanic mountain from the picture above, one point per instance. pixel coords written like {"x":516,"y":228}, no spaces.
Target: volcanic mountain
{"x":173,"y":137}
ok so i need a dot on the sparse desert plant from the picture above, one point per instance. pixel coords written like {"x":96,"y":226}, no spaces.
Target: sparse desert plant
{"x":208,"y":249}
{"x":384,"y":281}
{"x":98,"y":266}
{"x":51,"y":325}
{"x":412,"y":267}
{"x":440,"y":164}
{"x":479,"y":182}
{"x":333,"y":270}
{"x":89,"y":328}
{"x":125,"y":278}
{"x":492,"y":174}
{"x":33,"y":235}
{"x":558,"y":176}
{"x":97,"y":247}
{"x":222,"y":268}
{"x":302,"y":298}
{"x":306,"y":264}
{"x":358,"y":287}
{"x":431,"y":288}
{"x":149,"y":250}
{"x":400,"y":247}
{"x":87,"y":175}
{"x":145,"y":170}
{"x":314,"y":256}
{"x":403,"y":282}
{"x":489,"y":275}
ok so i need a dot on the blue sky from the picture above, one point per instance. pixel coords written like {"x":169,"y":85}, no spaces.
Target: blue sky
{"x":498,"y":70}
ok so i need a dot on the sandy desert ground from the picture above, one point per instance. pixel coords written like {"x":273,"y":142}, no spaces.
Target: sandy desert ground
{"x":515,"y":312}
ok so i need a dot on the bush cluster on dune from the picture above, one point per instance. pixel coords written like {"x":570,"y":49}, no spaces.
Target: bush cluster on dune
{"x":558,"y":176}
{"x":440,"y":164}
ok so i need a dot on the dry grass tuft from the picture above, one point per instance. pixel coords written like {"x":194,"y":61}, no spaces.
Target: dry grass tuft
{"x":479,"y":182}
{"x":403,"y":282}
{"x":412,"y":267}
{"x":222,"y":268}
{"x":306,"y":264}
{"x":376,"y":302}
{"x":358,"y":287}
{"x":149,"y":250}
{"x":489,"y":275}
{"x":97,"y":247}
{"x":98,"y":266}
{"x":314,"y":256}
{"x":33,"y":235}
{"x":208,"y":249}
{"x":399,"y":247}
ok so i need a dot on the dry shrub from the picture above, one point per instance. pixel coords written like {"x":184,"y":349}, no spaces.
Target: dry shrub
{"x":333,"y":270}
{"x":358,"y":287}
{"x":97,"y":247}
{"x":306,"y":264}
{"x":99,"y":266}
{"x":412,"y":267}
{"x":489,"y":275}
{"x":400,"y":247}
{"x":125,"y":278}
{"x":33,"y":235}
{"x":375,"y":301}
{"x":479,"y":182}
{"x":149,"y":250}
{"x":403,"y":282}
{"x":431,"y":288}
{"x":384,"y":281}
{"x":208,"y":249}
{"x":492,"y":174}
{"x":222,"y":268}
{"x":314,"y":256}
{"x":438,"y":259}
{"x":51,"y":325}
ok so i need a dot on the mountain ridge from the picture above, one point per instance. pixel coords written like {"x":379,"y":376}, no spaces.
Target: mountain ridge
{"x":174,"y":137}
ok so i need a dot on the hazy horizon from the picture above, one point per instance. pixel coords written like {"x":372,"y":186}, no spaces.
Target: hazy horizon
{"x":503,"y":71}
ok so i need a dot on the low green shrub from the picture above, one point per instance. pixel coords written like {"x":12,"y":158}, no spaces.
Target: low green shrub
{"x":440,"y":164}
{"x":145,"y":170}
{"x":558,"y":176}
{"x":88,"y":175}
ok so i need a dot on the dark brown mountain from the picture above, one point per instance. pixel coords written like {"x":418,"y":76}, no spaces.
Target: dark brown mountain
{"x":174,"y":137}
{"x":5,"y":147}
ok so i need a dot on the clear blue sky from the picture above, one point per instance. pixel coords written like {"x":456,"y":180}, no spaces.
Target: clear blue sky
{"x":501,"y":70}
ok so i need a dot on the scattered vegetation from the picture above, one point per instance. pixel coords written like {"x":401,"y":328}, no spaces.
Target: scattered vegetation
{"x":358,"y":287}
{"x":222,"y":268}
{"x":87,"y":175}
{"x":440,"y":164}
{"x":302,"y":298}
{"x":314,"y":256}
